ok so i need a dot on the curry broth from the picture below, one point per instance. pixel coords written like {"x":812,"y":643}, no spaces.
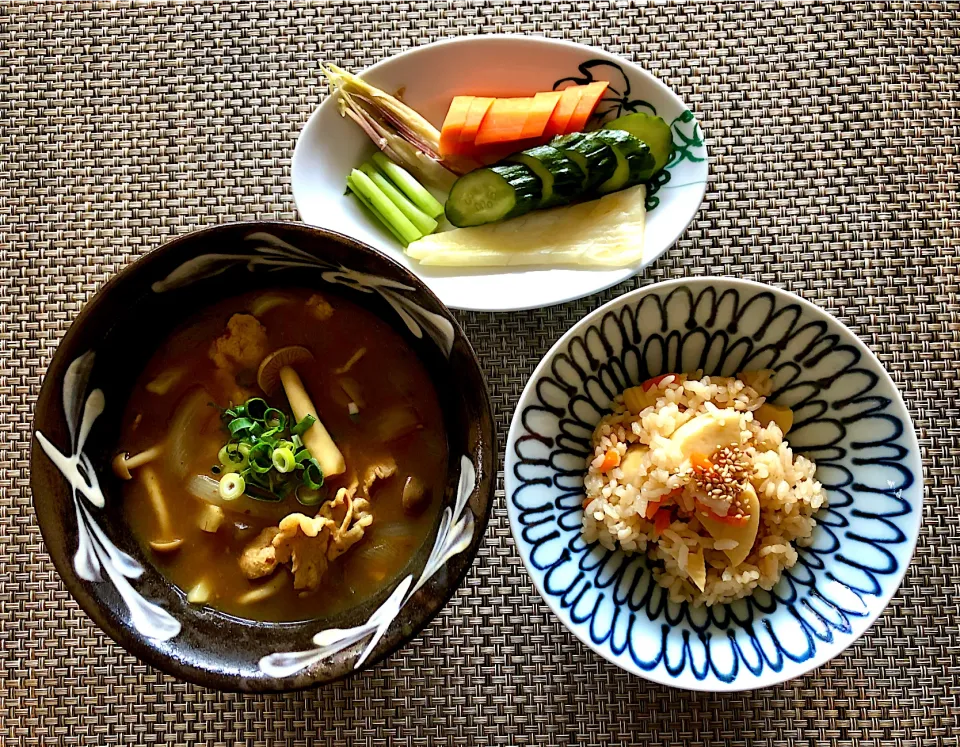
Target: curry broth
{"x":388,"y":375}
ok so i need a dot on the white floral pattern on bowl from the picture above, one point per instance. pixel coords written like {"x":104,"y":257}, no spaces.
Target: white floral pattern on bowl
{"x":96,"y":551}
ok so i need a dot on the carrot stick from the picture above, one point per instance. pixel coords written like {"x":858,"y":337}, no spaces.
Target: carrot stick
{"x":478,"y":110}
{"x":557,"y":125}
{"x":504,"y":121}
{"x":541,"y":110}
{"x":588,"y":102}
{"x":453,"y":124}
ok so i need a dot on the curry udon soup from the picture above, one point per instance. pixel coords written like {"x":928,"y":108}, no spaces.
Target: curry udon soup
{"x":283,"y":456}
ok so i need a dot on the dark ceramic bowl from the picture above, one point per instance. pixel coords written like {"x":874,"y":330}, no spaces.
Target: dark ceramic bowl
{"x":77,"y":423}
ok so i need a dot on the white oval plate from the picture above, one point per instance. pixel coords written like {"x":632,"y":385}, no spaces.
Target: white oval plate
{"x":499,"y":65}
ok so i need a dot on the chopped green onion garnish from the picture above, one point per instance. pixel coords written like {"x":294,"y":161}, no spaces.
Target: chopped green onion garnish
{"x":283,"y":460}
{"x":232,"y":456}
{"x":312,"y":474}
{"x":232,"y":486}
{"x":239,"y":425}
{"x":310,"y":496}
{"x":260,"y":458}
{"x":270,"y":436}
{"x":262,"y":494}
{"x":257,"y":409}
{"x":275,"y":419}
{"x":304,"y":423}
{"x":265,"y":458}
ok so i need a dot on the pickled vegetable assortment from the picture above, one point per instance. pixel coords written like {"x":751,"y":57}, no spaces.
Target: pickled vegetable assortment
{"x":514,"y":156}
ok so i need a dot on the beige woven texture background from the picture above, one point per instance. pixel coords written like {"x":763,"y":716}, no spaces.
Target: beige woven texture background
{"x":833,"y":133}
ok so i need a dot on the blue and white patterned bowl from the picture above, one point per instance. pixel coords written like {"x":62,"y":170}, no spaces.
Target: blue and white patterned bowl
{"x":849,"y":418}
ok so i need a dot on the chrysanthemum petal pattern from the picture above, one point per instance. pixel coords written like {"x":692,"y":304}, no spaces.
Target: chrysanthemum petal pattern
{"x":848,"y":417}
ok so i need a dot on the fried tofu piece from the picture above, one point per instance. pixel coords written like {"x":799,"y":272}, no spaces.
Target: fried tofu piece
{"x":259,"y":558}
{"x":242,"y":347}
{"x":379,"y":471}
{"x":303,"y":542}
{"x":309,"y":544}
{"x":319,"y":307}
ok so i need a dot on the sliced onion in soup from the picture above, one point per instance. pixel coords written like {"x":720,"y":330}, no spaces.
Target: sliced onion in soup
{"x":265,"y":590}
{"x":398,"y":531}
{"x":388,"y":546}
{"x":190,"y":422}
{"x":207,"y":489}
{"x":381,"y":556}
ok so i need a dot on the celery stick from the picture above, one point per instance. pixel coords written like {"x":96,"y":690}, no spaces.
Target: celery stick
{"x":409,"y":186}
{"x":388,"y":211}
{"x":424,"y":223}
{"x":366,"y":203}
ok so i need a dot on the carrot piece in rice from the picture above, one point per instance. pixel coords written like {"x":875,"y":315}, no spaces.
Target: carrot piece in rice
{"x":700,"y":462}
{"x":610,"y":460}
{"x":655,"y":381}
{"x":654,"y":505}
{"x":662,"y":520}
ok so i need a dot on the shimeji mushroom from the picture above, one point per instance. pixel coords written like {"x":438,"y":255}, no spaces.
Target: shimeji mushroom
{"x":180,"y":442}
{"x":152,"y":483}
{"x":278,"y":368}
{"x":123,"y":462}
{"x":414,"y":496}
{"x":166,"y":545}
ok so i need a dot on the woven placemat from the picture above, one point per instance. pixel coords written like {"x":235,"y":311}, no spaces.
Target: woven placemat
{"x":833,"y":130}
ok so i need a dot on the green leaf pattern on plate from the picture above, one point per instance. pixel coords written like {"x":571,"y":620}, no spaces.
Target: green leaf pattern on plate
{"x":687,"y":134}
